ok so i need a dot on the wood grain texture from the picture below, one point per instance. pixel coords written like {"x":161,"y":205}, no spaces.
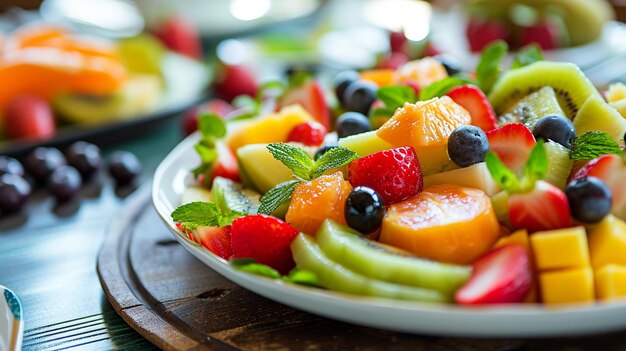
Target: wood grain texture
{"x":184,"y":305}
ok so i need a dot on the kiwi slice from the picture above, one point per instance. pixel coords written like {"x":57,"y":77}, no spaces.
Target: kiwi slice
{"x":531,"y":108}
{"x":372,"y":259}
{"x":559,"y":164}
{"x":332,"y":275}
{"x":500,"y":204}
{"x":570,"y":84}
{"x":596,"y":114}
{"x":229,"y":195}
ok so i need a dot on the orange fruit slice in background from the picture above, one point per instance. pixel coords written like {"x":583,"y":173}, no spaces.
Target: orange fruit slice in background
{"x":423,"y":72}
{"x":381,"y":77}
{"x":446,"y":223}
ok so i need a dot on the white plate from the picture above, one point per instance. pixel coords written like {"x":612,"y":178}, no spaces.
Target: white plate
{"x":495,"y":321}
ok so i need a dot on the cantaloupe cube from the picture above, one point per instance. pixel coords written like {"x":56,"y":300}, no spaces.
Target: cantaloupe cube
{"x":611,"y":282}
{"x":567,"y":286}
{"x":475,"y":176}
{"x":559,"y":249}
{"x":607,"y":242}
{"x":364,"y":144}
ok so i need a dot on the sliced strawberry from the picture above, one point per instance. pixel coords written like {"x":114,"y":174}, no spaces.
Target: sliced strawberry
{"x":235,"y":80}
{"x":226,"y":165}
{"x":180,"y":35}
{"x":548,"y":35}
{"x":395,"y":173}
{"x":29,"y":117}
{"x":481,"y":33}
{"x":397,"y":42}
{"x":612,"y":170}
{"x":310,"y":96}
{"x":215,"y":239}
{"x":545,"y":207}
{"x":392,"y":60}
{"x":512,"y":143}
{"x":307,"y":133}
{"x":264,"y":238}
{"x":503,"y":275}
{"x":475,"y":102}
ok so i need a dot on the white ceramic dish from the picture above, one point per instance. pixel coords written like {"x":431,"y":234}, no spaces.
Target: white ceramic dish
{"x":11,"y":321}
{"x":495,"y":321}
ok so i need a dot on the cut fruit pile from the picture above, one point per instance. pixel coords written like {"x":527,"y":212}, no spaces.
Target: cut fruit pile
{"x":503,"y":188}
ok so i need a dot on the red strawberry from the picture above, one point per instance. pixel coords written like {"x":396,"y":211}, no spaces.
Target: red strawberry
{"x":397,"y":42}
{"x":395,"y":174}
{"x":392,"y":60}
{"x":481,"y":33}
{"x":512,"y":143}
{"x":29,"y":117}
{"x":235,"y":80}
{"x":264,"y":238}
{"x":215,"y":106}
{"x":545,"y":207}
{"x":216,"y":239}
{"x":546,"y":34}
{"x":503,"y":275}
{"x":181,"y":36}
{"x":308,"y":133}
{"x":612,"y":170}
{"x":310,"y":96}
{"x":475,"y":102}
{"x":431,"y":50}
{"x":226,"y":165}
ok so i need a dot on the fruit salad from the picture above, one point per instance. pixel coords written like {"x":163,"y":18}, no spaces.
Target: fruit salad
{"x":500,"y":185}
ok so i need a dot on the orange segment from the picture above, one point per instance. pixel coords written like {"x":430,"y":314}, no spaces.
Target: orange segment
{"x":446,"y":223}
{"x":314,"y":201}
{"x":426,"y":126}
{"x":423,"y":72}
{"x":381,"y":77}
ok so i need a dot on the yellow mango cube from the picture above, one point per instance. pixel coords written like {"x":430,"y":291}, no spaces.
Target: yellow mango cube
{"x":611,"y":282}
{"x":273,"y":128}
{"x":607,"y":242}
{"x":567,"y":286}
{"x":518,"y":237}
{"x":559,"y":249}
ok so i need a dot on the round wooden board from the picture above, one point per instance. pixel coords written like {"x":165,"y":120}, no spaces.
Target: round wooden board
{"x":178,"y":303}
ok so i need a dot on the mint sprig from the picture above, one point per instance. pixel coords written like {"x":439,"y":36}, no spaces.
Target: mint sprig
{"x":201,"y":214}
{"x":303,"y":167}
{"x":489,"y":66}
{"x":593,"y":144}
{"x":443,"y":86}
{"x":527,"y":55}
{"x":393,"y":97}
{"x":535,"y":169}
{"x":212,"y":128}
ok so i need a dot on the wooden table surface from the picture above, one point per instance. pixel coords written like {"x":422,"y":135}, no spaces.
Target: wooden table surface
{"x":48,"y":257}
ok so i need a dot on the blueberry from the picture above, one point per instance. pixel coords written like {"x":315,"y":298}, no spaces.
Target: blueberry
{"x":364,"y":210}
{"x":322,"y":150}
{"x":85,"y":157}
{"x":43,"y":161}
{"x":11,"y":166}
{"x":124,"y":166}
{"x":341,"y":82}
{"x":450,"y":63}
{"x":556,"y":128}
{"x":14,"y":193}
{"x":351,"y":123}
{"x":467,"y":145}
{"x":589,"y":199}
{"x":64,"y":183}
{"x":359,"y":96}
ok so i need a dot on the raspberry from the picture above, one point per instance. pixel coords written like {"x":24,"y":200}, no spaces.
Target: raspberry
{"x":265,"y":239}
{"x":308,"y":133}
{"x":395,"y":174}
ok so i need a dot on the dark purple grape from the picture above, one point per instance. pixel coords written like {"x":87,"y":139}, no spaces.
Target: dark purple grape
{"x":467,"y":145}
{"x":43,"y":161}
{"x":85,"y":157}
{"x":64,"y":183}
{"x":11,"y":166}
{"x":589,"y":198}
{"x":557,"y":128}
{"x":341,"y":82}
{"x":14,"y":193}
{"x":124,"y":166}
{"x":351,"y":123}
{"x":364,"y":210}
{"x":359,"y":96}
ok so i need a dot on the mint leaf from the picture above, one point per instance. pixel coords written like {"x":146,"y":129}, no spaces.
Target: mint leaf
{"x":207,"y":154}
{"x":501,"y":174}
{"x":201,"y":214}
{"x":302,"y":277}
{"x":245,"y":101}
{"x":211,"y":126}
{"x":488,"y":70}
{"x":593,"y":144}
{"x":251,"y":266}
{"x":382,"y":112}
{"x":443,"y":86}
{"x":295,"y":158}
{"x":395,"y":96}
{"x":527,"y":55}
{"x":333,"y":158}
{"x":537,"y":165}
{"x":276,"y":196}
